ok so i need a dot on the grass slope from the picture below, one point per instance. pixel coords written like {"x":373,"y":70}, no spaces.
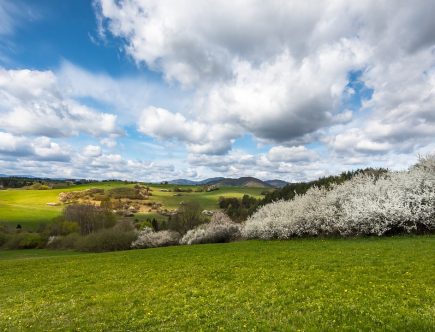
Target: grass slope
{"x":359,"y":284}
{"x":29,"y":207}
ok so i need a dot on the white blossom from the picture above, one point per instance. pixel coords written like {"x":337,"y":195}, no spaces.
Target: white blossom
{"x":149,"y":239}
{"x":365,"y":205}
{"x":219,"y":229}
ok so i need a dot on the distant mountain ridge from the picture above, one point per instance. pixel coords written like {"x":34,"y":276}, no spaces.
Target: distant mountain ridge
{"x":194,"y":183}
{"x":247,"y":181}
{"x":277,"y":183}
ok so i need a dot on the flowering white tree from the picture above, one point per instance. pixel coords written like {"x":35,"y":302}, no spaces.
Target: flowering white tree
{"x":391,"y":203}
{"x":219,"y":229}
{"x":149,"y":239}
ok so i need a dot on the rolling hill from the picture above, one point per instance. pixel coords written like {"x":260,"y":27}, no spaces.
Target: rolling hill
{"x":185,"y":182}
{"x":29,"y":208}
{"x":277,"y":183}
{"x":250,"y":182}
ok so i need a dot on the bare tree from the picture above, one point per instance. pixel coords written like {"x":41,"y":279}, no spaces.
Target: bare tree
{"x":90,"y":218}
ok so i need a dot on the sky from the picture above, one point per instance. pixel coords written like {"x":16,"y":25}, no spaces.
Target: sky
{"x":155,"y":90}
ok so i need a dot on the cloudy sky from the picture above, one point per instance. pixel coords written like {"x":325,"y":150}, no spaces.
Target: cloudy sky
{"x":161,"y":89}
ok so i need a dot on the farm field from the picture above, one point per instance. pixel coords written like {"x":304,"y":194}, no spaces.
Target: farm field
{"x":308,"y":284}
{"x":29,"y":207}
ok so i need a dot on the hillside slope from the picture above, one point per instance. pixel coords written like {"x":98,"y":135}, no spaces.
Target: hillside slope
{"x":276,"y":183}
{"x":29,"y":207}
{"x":250,"y":182}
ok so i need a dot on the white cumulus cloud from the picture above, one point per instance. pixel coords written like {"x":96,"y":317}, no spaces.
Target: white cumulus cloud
{"x":31,"y":103}
{"x":279,"y":70}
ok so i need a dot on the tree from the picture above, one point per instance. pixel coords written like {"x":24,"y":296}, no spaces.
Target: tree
{"x":189,"y":216}
{"x":239,"y":209}
{"x":370,"y":203}
{"x":90,"y":218}
{"x":155,"y":225}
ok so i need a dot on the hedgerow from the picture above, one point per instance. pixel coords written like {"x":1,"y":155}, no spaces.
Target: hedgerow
{"x":63,"y":242}
{"x":390,"y":203}
{"x":25,"y":240}
{"x":106,"y":240}
{"x":219,"y":229}
{"x":147,"y":238}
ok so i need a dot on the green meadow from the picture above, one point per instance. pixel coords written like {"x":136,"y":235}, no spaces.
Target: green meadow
{"x":360,"y":284}
{"x":29,"y":207}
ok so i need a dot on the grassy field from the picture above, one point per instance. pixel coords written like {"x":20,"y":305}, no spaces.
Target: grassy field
{"x":383,"y":284}
{"x":29,"y":207}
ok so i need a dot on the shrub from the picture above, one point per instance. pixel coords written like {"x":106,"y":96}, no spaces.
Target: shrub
{"x":182,"y":190}
{"x":25,"y":241}
{"x":426,"y":163}
{"x":106,"y":203}
{"x":189,"y":216}
{"x":220,"y":218}
{"x":305,"y":215}
{"x":106,"y":240}
{"x":149,"y":239}
{"x":155,"y":225}
{"x":90,"y":218}
{"x":4,"y":235}
{"x":125,"y":192}
{"x":368,"y":204}
{"x":124,"y":226}
{"x":3,"y":238}
{"x":63,"y":242}
{"x":61,"y":227}
{"x":400,"y":202}
{"x":220,"y":229}
{"x":99,"y":197}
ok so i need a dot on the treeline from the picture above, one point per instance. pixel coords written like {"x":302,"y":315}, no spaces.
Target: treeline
{"x":239,"y":209}
{"x":15,"y":182}
{"x":46,"y":183}
{"x":33,"y":183}
{"x":289,"y":191}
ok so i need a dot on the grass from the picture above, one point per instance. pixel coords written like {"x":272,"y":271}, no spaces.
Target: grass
{"x":29,"y":207}
{"x":208,"y":200}
{"x":355,"y":284}
{"x":37,"y":253}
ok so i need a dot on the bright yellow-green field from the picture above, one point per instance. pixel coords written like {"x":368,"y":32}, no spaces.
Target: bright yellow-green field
{"x":29,"y":207}
{"x":365,"y":284}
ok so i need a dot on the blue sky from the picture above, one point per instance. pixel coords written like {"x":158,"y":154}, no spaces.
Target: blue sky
{"x":48,"y":33}
{"x":152,"y":90}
